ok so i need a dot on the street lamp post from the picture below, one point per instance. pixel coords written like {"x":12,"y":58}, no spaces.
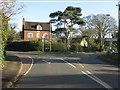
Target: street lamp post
{"x":119,"y":27}
{"x":118,"y":37}
{"x":50,"y":36}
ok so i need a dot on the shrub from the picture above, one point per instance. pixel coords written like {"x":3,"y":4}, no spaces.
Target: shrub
{"x":75,"y":47}
{"x":59,"y":47}
{"x":24,"y":46}
{"x":94,"y":47}
{"x":35,"y":46}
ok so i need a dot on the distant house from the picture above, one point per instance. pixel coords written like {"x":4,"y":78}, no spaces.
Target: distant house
{"x":36,"y":30}
{"x":83,"y":42}
{"x":108,"y":40}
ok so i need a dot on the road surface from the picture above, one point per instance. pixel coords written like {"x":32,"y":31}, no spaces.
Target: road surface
{"x":69,"y":71}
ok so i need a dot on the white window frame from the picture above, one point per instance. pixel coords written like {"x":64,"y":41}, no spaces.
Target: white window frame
{"x":30,"y":35}
{"x":44,"y":35}
{"x":37,"y":35}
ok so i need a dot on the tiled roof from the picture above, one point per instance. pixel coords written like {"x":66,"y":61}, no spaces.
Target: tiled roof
{"x":33,"y":25}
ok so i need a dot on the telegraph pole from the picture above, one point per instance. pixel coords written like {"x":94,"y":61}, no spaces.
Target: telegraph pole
{"x":118,"y":27}
{"x":50,"y":35}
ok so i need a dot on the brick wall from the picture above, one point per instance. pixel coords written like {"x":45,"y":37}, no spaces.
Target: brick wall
{"x":34,"y":34}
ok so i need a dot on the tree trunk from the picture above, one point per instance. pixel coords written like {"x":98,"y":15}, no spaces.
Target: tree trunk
{"x":68,"y":40}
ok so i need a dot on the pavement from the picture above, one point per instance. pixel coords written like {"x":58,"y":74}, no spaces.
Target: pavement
{"x":25,"y":66}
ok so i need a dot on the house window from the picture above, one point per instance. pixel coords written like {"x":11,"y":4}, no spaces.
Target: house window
{"x":30,"y":35}
{"x":45,"y":36}
{"x":38,"y":35}
{"x":39,"y":27}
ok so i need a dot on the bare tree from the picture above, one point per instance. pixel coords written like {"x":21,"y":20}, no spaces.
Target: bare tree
{"x":102,"y":24}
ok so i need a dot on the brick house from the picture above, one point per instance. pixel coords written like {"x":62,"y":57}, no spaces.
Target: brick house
{"x":36,"y":30}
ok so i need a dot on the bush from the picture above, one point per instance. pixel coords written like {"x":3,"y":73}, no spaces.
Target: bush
{"x":24,"y":46}
{"x":58,"y":47}
{"x":94,"y":47}
{"x":75,"y":47}
{"x":35,"y":46}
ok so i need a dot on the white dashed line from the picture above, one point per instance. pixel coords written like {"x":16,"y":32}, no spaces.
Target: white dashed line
{"x":68,"y":63}
{"x":90,"y":75}
{"x":81,"y":65}
{"x":47,"y":61}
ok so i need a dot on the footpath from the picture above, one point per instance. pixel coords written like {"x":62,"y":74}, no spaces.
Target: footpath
{"x":26,"y":63}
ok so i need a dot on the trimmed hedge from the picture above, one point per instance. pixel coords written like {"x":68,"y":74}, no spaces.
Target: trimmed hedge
{"x":24,"y":46}
{"x":35,"y":46}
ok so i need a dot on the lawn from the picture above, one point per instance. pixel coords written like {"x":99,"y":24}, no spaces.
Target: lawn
{"x":11,"y":69}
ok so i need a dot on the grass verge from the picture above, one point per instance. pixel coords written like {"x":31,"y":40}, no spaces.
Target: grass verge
{"x":10,"y":71}
{"x":110,"y":58}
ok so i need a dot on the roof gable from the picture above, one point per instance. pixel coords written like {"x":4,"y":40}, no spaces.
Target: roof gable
{"x":33,"y":25}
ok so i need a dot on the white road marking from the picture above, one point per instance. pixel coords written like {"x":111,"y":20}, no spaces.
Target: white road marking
{"x":20,"y":67}
{"x":20,"y":70}
{"x":81,"y":65}
{"x":89,"y":74}
{"x":47,"y":61}
{"x":30,"y":65}
{"x":105,"y":84}
{"x":68,"y":63}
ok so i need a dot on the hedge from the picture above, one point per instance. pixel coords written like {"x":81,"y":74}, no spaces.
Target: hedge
{"x":24,"y":46}
{"x":35,"y":46}
{"x":59,"y":47}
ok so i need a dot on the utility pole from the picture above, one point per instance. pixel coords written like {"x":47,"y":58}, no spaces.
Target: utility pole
{"x":23,"y":25}
{"x":118,"y":27}
{"x":50,"y":35}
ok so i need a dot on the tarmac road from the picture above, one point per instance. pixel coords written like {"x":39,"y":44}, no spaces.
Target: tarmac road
{"x":69,"y":71}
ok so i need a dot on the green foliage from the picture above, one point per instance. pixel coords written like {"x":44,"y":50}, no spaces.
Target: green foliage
{"x":11,"y":35}
{"x":114,"y":47}
{"x":24,"y":46}
{"x":75,"y":47}
{"x":1,"y":41}
{"x":102,"y":24}
{"x":69,"y":17}
{"x":35,"y":46}
{"x":7,"y":10}
{"x":58,"y":47}
{"x":94,"y":47}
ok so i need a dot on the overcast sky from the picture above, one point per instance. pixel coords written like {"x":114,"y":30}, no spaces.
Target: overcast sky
{"x":39,"y":11}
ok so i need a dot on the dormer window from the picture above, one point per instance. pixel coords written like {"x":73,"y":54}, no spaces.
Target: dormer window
{"x":39,"y":27}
